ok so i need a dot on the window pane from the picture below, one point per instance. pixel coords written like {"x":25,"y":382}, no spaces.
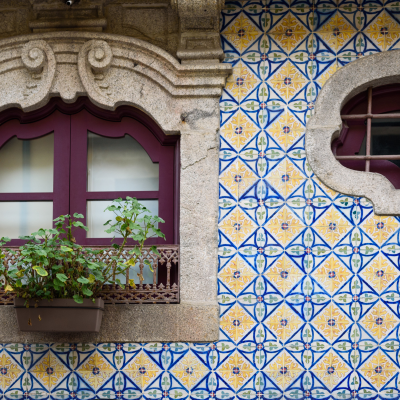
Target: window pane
{"x":96,"y":217}
{"x":386,"y":138}
{"x":27,"y":165}
{"x":119,"y":164}
{"x":23,"y":218}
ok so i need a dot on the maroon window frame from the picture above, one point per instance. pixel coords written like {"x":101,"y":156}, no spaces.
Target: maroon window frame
{"x":357,"y":115}
{"x":70,"y":124}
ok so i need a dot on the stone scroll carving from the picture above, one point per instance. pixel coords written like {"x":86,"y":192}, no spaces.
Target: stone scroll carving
{"x":27,"y":81}
{"x":94,"y":60}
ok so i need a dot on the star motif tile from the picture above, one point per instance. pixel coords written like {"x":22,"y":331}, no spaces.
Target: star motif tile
{"x":331,"y":369}
{"x":285,"y":178}
{"x":289,"y":32}
{"x":379,"y":321}
{"x":285,"y":226}
{"x":283,"y":370}
{"x":239,"y":130}
{"x":96,"y":370}
{"x":190,"y":370}
{"x":236,"y":370}
{"x":331,"y":274}
{"x":237,"y":226}
{"x":236,"y":275}
{"x":287,"y":81}
{"x":286,"y":130}
{"x":284,"y":274}
{"x":49,"y":370}
{"x":332,"y":226}
{"x":238,"y":178}
{"x":241,"y":33}
{"x":331,"y":322}
{"x":141,"y":370}
{"x":379,"y":369}
{"x":380,"y":228}
{"x":236,"y":322}
{"x":380,"y":273}
{"x":283,"y":322}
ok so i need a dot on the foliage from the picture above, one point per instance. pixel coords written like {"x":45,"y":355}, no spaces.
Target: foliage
{"x":52,"y":265}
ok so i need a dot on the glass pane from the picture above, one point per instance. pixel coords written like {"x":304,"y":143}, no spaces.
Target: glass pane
{"x":23,"y":218}
{"x":27,"y":165}
{"x":386,"y":138}
{"x":133,"y":274}
{"x":96,"y":217}
{"x":119,"y":164}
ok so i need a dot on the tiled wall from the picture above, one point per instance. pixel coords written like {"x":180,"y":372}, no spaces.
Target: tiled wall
{"x":308,"y":280}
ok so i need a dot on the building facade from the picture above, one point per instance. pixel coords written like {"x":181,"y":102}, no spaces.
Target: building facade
{"x":304,"y":304}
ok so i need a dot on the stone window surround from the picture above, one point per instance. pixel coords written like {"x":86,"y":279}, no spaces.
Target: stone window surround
{"x":113,"y":70}
{"x":326,"y":124}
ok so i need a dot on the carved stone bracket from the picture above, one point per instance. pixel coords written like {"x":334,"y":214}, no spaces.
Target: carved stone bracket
{"x":94,"y":60}
{"x":199,"y":30}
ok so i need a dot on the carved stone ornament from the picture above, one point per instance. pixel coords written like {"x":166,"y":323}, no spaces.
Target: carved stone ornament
{"x":199,"y":30}
{"x":113,"y":70}
{"x":326,"y":124}
{"x":31,"y":75}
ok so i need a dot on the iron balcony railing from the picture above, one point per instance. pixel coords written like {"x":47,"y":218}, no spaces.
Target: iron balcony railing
{"x":163,"y":288}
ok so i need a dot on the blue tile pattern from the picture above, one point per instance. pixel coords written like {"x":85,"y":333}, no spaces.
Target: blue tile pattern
{"x":308,"y":278}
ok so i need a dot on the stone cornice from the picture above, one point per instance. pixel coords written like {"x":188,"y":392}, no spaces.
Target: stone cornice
{"x":112,"y":70}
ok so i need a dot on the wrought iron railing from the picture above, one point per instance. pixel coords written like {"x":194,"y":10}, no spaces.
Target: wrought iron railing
{"x":164,"y":287}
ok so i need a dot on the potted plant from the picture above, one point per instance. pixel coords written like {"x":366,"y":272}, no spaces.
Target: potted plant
{"x":57,"y":282}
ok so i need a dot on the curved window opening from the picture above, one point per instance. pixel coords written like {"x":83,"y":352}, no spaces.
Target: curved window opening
{"x":78,"y":159}
{"x":370,"y":138}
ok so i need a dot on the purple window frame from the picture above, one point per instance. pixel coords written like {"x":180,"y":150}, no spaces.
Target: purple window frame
{"x":384,"y":100}
{"x":70,"y":124}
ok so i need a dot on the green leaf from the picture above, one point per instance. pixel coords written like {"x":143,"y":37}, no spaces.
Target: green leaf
{"x":41,"y":271}
{"x":87,"y":292}
{"x":155,"y":250}
{"x":92,"y":265}
{"x":62,"y":277}
{"x":76,"y":215}
{"x":65,"y":248}
{"x":79,"y":224}
{"x":78,"y":299}
{"x":136,"y":251}
{"x":83,"y":280}
{"x":91,"y":278}
{"x":148,"y":263}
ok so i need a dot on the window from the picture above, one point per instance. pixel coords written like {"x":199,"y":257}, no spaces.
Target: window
{"x":63,"y":164}
{"x":370,"y":139}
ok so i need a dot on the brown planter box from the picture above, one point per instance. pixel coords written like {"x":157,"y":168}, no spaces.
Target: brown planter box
{"x":59,"y":315}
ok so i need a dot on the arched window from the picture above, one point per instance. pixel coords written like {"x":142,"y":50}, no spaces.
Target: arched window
{"x":77,"y":158}
{"x":370,"y":138}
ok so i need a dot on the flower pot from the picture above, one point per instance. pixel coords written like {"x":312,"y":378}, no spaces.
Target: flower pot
{"x":59,"y":315}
